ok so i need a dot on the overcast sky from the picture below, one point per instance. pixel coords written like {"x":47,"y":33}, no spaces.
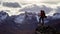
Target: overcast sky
{"x":34,"y":1}
{"x":25,"y":3}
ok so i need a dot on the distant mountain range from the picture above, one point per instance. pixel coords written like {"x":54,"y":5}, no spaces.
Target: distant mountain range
{"x":55,"y":21}
{"x":16,"y":23}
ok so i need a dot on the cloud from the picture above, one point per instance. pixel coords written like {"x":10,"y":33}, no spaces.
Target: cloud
{"x":47,"y":9}
{"x":58,"y":9}
{"x":36,"y":8}
{"x":11,"y":5}
{"x":33,"y":1}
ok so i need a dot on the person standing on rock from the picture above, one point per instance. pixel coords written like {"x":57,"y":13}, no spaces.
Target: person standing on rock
{"x":42,"y":16}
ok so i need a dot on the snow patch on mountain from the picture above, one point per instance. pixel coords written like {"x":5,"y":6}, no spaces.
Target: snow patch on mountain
{"x":3,"y":16}
{"x":56,"y":16}
{"x":19,"y":18}
{"x":23,"y":19}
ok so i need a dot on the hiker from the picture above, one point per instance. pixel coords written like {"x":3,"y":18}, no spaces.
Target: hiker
{"x":42,"y":16}
{"x":26,"y":14}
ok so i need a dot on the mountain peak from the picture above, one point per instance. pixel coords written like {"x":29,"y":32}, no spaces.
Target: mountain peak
{"x":56,"y":14}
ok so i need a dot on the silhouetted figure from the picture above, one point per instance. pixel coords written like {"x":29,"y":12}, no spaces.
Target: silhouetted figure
{"x":45,"y":29}
{"x":26,"y":15}
{"x":42,"y":16}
